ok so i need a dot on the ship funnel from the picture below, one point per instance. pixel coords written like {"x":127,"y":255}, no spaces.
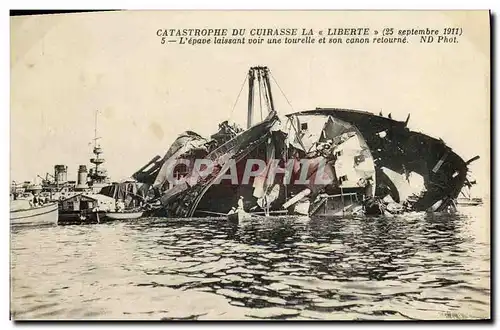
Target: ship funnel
{"x":61,"y":173}
{"x":82,"y":176}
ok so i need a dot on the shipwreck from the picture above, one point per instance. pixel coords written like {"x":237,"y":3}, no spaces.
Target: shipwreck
{"x":369,"y":164}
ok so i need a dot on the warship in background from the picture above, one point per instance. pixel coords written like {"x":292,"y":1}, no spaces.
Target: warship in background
{"x":93,"y":198}
{"x":375,"y":165}
{"x":51,"y":187}
{"x":84,"y":204}
{"x":98,"y":175}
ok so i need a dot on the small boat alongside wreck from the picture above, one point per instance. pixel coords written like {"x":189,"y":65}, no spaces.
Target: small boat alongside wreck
{"x":369,"y":164}
{"x":123,"y":215}
{"x":466,"y":198}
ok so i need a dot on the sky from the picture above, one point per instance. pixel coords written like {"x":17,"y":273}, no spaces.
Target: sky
{"x":66,"y":67}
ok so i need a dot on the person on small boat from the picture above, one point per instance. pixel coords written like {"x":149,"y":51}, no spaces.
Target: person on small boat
{"x":239,"y":208}
{"x":240,"y":203}
{"x":36,"y":201}
{"x":96,"y":209}
{"x":120,"y":206}
{"x":83,"y":215}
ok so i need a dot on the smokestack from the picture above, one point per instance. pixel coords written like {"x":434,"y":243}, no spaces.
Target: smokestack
{"x":82,"y":175}
{"x":61,"y":173}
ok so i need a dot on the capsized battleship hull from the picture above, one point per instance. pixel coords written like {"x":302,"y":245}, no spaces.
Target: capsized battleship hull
{"x":190,"y":199}
{"x":396,"y":155}
{"x":370,"y":163}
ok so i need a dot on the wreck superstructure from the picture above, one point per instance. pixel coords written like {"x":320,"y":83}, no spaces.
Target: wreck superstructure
{"x":203,"y":197}
{"x":367,"y":163}
{"x":401,"y":155}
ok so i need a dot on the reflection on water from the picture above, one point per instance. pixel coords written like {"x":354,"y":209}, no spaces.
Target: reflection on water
{"x":420,"y":266}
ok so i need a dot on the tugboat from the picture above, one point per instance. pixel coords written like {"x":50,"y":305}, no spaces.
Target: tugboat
{"x":29,"y":207}
{"x":23,"y":212}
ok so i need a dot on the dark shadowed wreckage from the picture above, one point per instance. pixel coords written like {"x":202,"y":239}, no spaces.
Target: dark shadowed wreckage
{"x":373,"y":165}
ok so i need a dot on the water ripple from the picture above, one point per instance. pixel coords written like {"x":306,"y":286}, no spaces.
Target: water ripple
{"x":420,"y":266}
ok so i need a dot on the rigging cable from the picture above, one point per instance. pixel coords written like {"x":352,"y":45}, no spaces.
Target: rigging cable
{"x":260,"y":93}
{"x":266,"y":95}
{"x":268,"y":92}
{"x":238,"y":97}
{"x":281,"y":91}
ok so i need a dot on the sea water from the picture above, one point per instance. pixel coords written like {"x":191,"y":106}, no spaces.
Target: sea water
{"x":415,"y":266}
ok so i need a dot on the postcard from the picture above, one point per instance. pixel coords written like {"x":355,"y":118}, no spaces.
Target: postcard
{"x":250,"y":165}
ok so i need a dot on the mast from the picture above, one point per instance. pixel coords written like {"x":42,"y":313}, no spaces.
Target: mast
{"x":251,"y":78}
{"x":261,"y":73}
{"x":97,"y":150}
{"x":268,"y":89}
{"x":98,"y":175}
{"x":95,"y":129}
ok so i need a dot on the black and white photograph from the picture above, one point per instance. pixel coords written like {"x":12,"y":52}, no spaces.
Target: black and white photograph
{"x":250,"y":165}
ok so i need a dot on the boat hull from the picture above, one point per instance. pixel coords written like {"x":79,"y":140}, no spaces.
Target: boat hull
{"x":43,"y":215}
{"x":468,"y":202}
{"x":239,"y":216}
{"x":123,"y":215}
{"x":76,"y":218}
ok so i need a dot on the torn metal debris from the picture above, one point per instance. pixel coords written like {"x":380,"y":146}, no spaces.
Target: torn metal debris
{"x":367,"y":165}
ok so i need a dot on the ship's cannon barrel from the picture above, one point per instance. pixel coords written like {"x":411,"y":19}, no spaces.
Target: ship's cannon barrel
{"x":145,"y":176}
{"x":153,"y":160}
{"x":473,"y":159}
